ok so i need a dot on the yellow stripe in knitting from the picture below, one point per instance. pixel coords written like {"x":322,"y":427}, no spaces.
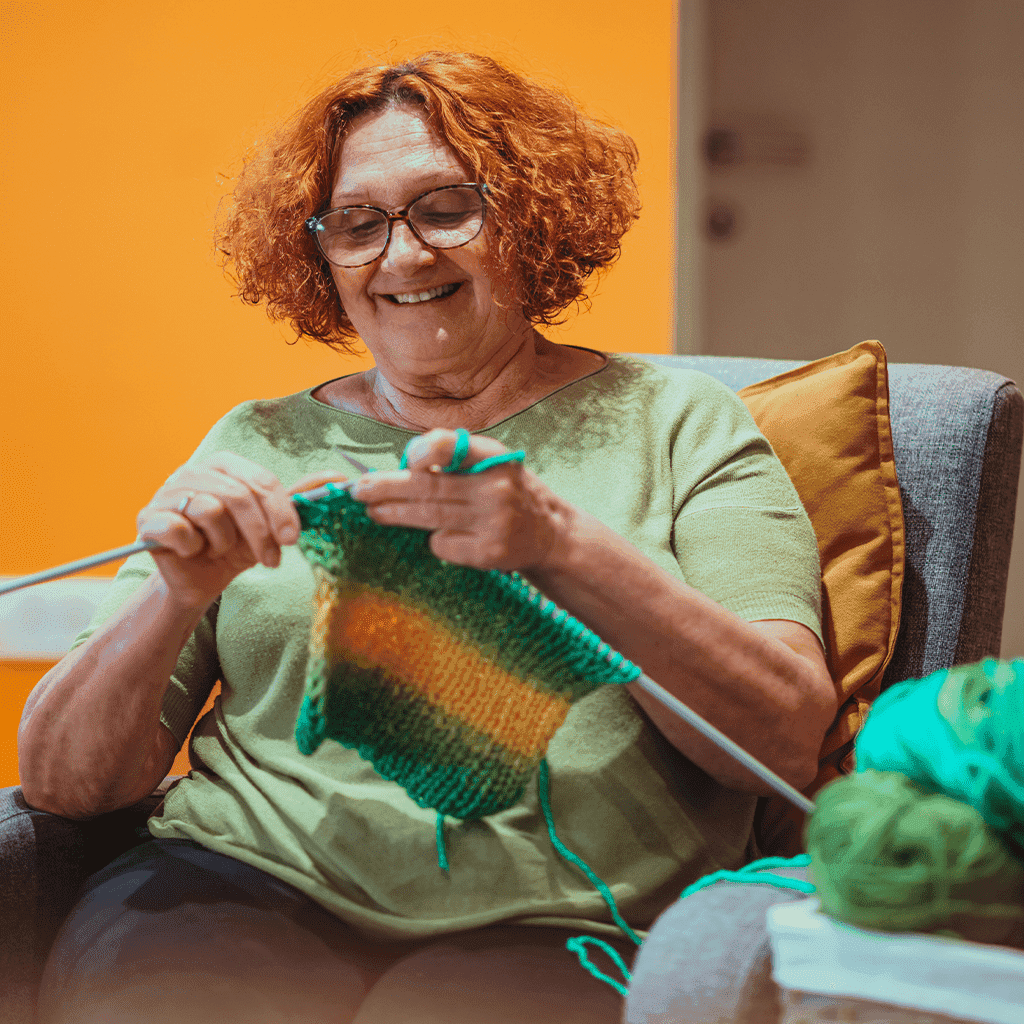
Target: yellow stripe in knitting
{"x":376,"y":630}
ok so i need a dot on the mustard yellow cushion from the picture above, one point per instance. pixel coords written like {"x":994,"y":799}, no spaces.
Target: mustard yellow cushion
{"x":828,"y":422}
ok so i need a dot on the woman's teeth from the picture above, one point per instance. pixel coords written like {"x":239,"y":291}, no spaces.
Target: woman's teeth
{"x":445,"y":289}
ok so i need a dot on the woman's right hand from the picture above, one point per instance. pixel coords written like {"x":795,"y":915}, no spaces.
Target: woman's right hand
{"x":214,"y":521}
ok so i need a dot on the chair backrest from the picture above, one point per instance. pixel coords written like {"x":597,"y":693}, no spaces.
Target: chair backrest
{"x":957,"y":435}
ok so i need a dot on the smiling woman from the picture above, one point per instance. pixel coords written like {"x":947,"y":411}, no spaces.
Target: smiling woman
{"x":442,"y":211}
{"x":560,"y":189}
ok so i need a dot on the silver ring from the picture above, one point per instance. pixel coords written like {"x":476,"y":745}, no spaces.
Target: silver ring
{"x":183,"y":504}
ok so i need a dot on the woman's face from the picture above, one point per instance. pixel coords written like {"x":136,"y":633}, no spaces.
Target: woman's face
{"x":387,"y":159}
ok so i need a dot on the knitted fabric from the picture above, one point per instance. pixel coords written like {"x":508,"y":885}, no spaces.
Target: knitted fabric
{"x":449,"y":680}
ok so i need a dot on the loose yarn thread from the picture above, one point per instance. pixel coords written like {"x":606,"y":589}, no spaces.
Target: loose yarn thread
{"x":758,"y":872}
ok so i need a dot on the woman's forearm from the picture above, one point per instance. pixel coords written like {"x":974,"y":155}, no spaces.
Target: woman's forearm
{"x":754,"y":688}
{"x":90,"y":738}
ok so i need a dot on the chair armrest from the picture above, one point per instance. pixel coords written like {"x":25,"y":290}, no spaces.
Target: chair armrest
{"x":44,"y":859}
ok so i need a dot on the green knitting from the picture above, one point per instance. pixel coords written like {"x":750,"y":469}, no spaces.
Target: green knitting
{"x":450,"y":680}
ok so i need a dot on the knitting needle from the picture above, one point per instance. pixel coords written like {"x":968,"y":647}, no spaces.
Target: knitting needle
{"x":691,"y":717}
{"x":723,"y":742}
{"x":116,"y":554}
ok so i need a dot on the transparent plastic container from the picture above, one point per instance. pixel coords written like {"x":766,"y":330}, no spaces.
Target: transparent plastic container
{"x":813,"y":1008}
{"x":831,"y":972}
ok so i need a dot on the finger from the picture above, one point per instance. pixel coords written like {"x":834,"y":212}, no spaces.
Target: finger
{"x":246,"y":515}
{"x":428,"y":488}
{"x":464,"y":548}
{"x":436,"y":447}
{"x":386,"y":485}
{"x":423,"y":515}
{"x":171,"y":531}
{"x":208,"y":514}
{"x":277,"y":522}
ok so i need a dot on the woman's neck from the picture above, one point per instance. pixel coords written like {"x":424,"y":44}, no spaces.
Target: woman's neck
{"x":503,"y":387}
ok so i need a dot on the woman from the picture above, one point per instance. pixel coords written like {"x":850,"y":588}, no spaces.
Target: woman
{"x":450,"y":207}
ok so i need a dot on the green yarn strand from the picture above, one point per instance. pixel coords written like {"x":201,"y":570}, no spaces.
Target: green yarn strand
{"x":462,"y":439}
{"x":442,"y":855}
{"x":578,"y":945}
{"x":758,"y":872}
{"x":496,"y":460}
{"x":461,"y":451}
{"x":543,"y":783}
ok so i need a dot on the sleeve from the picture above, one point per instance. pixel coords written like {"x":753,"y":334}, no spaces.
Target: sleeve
{"x":740,"y":533}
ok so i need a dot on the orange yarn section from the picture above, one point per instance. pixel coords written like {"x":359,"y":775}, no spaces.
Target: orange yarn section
{"x":451,"y":675}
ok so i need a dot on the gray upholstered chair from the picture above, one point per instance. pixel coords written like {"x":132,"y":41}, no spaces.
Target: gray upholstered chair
{"x":957,"y":436}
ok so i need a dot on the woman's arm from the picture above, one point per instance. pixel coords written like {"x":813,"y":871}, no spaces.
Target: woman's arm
{"x":765,"y":685}
{"x":90,"y":738}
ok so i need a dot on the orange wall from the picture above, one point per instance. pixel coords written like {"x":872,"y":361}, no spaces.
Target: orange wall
{"x":122,"y":343}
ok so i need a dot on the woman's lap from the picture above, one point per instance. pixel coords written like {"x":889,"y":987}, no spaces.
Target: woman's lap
{"x":173,"y":931}
{"x":172,"y":916}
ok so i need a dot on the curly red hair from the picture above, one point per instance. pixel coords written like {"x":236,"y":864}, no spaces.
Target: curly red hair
{"x":561,"y":186}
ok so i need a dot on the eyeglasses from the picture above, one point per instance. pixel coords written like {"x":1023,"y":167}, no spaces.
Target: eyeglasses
{"x":443,"y":218}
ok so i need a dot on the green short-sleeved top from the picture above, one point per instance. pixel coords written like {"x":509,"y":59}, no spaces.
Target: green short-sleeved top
{"x":670,"y":460}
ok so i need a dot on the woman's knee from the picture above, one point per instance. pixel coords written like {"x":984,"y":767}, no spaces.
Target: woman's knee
{"x":164,"y":935}
{"x":501,"y":975}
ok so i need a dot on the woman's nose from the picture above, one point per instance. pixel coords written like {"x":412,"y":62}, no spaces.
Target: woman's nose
{"x":405,"y":248}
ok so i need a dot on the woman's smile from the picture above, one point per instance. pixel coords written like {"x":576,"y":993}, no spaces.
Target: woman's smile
{"x":431,"y":294}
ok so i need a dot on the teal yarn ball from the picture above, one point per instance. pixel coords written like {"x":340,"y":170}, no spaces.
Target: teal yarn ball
{"x":959,"y":732}
{"x":887,"y":855}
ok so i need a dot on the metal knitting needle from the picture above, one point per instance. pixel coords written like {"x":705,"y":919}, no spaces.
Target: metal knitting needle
{"x":734,"y":750}
{"x":116,"y":554}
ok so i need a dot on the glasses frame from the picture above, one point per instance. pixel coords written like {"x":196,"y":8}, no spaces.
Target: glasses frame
{"x":312,"y":224}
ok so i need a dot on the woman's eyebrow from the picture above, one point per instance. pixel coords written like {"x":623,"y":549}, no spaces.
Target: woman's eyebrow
{"x":361,"y":196}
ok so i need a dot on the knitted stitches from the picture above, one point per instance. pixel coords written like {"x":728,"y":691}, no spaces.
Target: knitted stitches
{"x":450,"y":680}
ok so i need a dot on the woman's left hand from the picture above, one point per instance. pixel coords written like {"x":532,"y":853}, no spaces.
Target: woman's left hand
{"x":503,"y":518}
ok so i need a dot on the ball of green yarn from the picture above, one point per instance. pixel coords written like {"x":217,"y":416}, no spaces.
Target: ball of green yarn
{"x":959,"y":731}
{"x":889,"y":856}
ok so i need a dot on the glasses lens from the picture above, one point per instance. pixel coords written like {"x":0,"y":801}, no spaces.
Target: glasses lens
{"x":350,"y":238}
{"x":448,"y":217}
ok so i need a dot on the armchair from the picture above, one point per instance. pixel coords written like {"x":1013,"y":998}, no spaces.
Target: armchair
{"x":957,"y":435}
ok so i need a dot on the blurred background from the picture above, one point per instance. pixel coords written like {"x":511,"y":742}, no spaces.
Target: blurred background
{"x":813,"y":174}
{"x":857,"y":171}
